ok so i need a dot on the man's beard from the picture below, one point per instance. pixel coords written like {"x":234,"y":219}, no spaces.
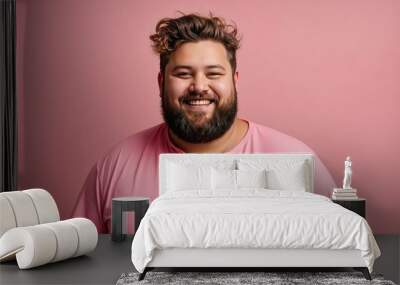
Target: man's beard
{"x":222,"y":119}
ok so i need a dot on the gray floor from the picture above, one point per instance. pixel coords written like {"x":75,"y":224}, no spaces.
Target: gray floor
{"x":389,"y":262}
{"x":110,"y":260}
{"x":102,"y":266}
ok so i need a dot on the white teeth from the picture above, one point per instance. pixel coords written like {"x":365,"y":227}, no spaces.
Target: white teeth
{"x":199,"y":102}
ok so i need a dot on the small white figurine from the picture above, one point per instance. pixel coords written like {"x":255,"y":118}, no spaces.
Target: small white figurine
{"x":347,"y":174}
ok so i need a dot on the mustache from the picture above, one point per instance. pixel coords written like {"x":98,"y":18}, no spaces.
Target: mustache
{"x":198,"y":96}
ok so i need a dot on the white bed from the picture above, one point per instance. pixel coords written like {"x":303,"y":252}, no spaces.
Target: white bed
{"x":247,"y":210}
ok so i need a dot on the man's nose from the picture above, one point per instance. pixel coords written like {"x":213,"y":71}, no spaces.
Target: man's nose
{"x":199,"y":84}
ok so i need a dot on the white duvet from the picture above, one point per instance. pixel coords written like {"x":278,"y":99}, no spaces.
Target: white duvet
{"x":250,"y":218}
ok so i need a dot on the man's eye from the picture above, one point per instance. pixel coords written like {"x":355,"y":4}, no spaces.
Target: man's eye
{"x":214,"y":75}
{"x":183,"y":75}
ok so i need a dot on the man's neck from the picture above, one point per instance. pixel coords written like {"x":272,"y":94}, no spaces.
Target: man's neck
{"x":223,"y":144}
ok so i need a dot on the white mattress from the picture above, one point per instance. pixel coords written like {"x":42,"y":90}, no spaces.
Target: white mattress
{"x":250,"y":218}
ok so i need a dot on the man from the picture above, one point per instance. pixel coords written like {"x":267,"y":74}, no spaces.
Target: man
{"x":197,"y":82}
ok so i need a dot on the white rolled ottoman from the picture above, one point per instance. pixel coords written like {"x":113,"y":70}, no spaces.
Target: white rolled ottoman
{"x":31,"y":230}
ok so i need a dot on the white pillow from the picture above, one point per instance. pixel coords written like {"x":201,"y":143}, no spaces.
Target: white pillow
{"x":281,"y":174}
{"x":223,"y":179}
{"x":182,"y":177}
{"x":251,"y":178}
{"x":287,"y":179}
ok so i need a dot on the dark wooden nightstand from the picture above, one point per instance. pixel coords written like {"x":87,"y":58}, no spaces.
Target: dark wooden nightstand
{"x":119,"y":205}
{"x":357,"y":206}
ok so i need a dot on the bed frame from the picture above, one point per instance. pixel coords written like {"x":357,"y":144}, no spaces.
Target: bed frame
{"x":246,"y":258}
{"x":242,"y":259}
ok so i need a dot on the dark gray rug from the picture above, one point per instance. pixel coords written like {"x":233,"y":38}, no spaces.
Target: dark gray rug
{"x":270,"y":278}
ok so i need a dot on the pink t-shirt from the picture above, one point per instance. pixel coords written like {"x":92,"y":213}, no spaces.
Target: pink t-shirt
{"x":131,"y":168}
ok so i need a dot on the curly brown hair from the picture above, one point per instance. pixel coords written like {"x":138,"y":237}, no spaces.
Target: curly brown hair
{"x":173,"y":32}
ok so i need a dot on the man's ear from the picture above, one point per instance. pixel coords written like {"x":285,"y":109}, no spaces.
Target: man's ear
{"x":236,"y":78}
{"x":160,"y":80}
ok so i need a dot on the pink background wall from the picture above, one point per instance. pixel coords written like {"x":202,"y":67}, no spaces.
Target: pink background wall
{"x":326,"y":72}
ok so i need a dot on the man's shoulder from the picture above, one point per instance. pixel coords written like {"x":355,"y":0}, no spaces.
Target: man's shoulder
{"x":144,"y":135}
{"x":275,"y":140}
{"x":264,"y":130}
{"x":136,"y":142}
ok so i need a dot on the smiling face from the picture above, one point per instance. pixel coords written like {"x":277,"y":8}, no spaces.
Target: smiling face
{"x":198,"y":92}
